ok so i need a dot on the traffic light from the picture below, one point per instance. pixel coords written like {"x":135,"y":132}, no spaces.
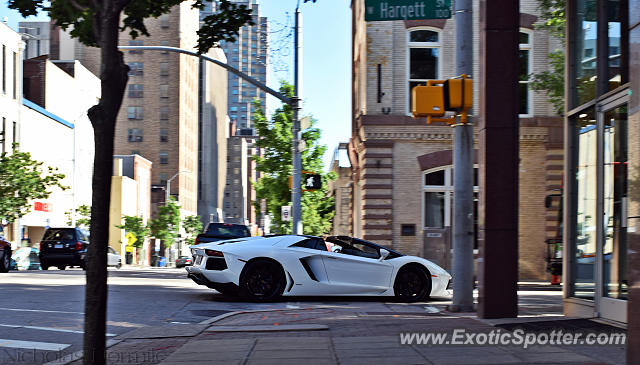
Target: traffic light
{"x":458,"y":94}
{"x":427,"y":101}
{"x":312,"y":181}
{"x":437,"y":97}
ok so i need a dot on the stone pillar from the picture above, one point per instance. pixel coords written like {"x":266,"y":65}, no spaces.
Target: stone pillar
{"x":498,"y":130}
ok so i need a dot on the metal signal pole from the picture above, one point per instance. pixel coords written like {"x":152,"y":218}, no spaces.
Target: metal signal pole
{"x":463,"y":271}
{"x":296,"y":208}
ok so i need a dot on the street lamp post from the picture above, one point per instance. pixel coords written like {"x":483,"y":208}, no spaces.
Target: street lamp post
{"x":168,"y":192}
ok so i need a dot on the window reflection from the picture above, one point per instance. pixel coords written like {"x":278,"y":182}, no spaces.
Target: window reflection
{"x":585,"y":220}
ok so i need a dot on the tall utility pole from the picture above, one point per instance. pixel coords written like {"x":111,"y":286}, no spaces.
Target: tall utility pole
{"x":296,"y":213}
{"x":463,"y":172}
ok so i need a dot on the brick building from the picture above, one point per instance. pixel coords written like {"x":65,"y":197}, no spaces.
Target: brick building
{"x":402,"y":191}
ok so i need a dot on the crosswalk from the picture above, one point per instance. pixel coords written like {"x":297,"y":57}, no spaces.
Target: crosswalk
{"x":33,"y":345}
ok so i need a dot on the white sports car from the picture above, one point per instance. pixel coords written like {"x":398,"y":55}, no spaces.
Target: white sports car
{"x":263,"y":268}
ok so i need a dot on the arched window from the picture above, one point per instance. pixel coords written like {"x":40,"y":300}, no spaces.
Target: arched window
{"x":437,"y":196}
{"x":423,"y":57}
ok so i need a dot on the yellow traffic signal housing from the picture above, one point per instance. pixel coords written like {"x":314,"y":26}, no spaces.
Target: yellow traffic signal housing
{"x":427,"y":101}
{"x":458,"y":94}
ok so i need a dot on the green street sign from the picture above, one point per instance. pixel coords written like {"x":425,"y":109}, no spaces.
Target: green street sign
{"x":376,"y":10}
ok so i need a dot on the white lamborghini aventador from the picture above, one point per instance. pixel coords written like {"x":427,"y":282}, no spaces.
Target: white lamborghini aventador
{"x":264,"y":268}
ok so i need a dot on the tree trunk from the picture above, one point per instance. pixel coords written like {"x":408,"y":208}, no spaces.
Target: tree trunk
{"x":103,"y":118}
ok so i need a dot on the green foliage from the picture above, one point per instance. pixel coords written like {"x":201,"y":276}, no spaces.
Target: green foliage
{"x":81,"y":15}
{"x":82,"y":215}
{"x":552,"y":16}
{"x":166,"y":225}
{"x":275,"y":164}
{"x":22,"y":180}
{"x":135,"y":225}
{"x":552,"y":81}
{"x":192,"y":226}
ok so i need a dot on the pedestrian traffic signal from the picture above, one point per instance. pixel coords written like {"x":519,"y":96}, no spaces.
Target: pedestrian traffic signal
{"x":437,"y":97}
{"x":312,"y":181}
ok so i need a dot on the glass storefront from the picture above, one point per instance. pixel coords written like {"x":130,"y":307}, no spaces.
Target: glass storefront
{"x":599,"y":182}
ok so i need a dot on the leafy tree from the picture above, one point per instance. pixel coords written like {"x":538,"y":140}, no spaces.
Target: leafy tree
{"x":82,"y":214}
{"x":98,"y":24}
{"x":276,"y":165}
{"x":135,"y":225}
{"x":552,"y":81}
{"x":192,"y":226}
{"x":166,"y":225}
{"x":22,"y":180}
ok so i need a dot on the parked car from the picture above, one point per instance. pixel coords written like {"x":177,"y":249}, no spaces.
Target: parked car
{"x":222,"y":231}
{"x":113,"y":258}
{"x":263,"y":268}
{"x":5,"y":253}
{"x":63,"y":247}
{"x":183,"y":261}
{"x":26,"y":258}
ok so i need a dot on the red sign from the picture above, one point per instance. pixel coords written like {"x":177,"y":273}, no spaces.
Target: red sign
{"x":42,"y":207}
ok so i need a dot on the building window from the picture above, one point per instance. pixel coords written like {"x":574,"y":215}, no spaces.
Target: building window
{"x":164,"y":158}
{"x":437,"y":197}
{"x":164,"y":135}
{"x":164,"y":21}
{"x":135,"y":112}
{"x":135,"y":68}
{"x":423,"y":53}
{"x":134,"y":135}
{"x":15,"y":74}
{"x":525,"y":71}
{"x":136,"y":90}
{"x":163,"y":178}
{"x":164,"y":44}
{"x":4,"y":68}
{"x":164,"y":113}
{"x":164,"y":68}
{"x":136,"y":43}
{"x":164,"y":91}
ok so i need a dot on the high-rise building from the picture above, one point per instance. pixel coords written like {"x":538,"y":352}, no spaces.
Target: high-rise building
{"x":249,"y":55}
{"x":36,"y":38}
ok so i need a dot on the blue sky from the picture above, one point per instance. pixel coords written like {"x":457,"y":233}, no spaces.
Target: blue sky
{"x":326,"y":68}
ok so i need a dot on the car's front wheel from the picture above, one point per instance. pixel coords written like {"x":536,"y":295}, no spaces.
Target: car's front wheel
{"x":5,"y":261}
{"x":262,"y":280}
{"x":413,"y":284}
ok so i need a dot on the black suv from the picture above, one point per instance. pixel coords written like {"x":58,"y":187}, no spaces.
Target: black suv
{"x":63,"y":247}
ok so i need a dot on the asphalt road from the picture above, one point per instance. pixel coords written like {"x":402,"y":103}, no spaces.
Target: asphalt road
{"x":42,"y":312}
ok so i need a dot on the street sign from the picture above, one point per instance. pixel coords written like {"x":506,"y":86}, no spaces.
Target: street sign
{"x":376,"y":10}
{"x":131,"y":238}
{"x":312,"y":181}
{"x":286,"y":213}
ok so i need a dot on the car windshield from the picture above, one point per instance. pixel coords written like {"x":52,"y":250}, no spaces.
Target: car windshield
{"x":227,"y":230}
{"x":59,"y":234}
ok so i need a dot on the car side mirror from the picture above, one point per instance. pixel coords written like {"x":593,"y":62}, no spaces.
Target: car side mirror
{"x":336,"y":249}
{"x":383,"y":254}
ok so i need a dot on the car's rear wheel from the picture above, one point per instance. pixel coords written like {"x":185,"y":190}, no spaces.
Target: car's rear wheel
{"x":413,"y":284}
{"x":61,"y":267}
{"x":44,"y":266}
{"x":5,"y":262}
{"x":262,"y":280}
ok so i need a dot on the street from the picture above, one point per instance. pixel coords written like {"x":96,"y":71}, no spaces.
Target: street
{"x":43,"y":311}
{"x":42,"y":315}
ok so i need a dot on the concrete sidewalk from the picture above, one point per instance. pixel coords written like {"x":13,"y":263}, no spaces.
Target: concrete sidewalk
{"x":335,"y":335}
{"x":360,"y":331}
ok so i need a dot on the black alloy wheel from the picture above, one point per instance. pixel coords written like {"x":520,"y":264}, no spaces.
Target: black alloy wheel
{"x":44,"y":266}
{"x":262,"y":280}
{"x":5,"y":262}
{"x":62,"y":267}
{"x":413,"y":284}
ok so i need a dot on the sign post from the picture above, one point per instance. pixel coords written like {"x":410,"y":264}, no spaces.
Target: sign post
{"x":382,"y":10}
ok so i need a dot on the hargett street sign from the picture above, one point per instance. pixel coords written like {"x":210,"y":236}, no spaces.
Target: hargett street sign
{"x":376,"y":10}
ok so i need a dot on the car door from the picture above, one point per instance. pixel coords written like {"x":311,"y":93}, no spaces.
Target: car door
{"x":112,"y":257}
{"x":357,"y":271}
